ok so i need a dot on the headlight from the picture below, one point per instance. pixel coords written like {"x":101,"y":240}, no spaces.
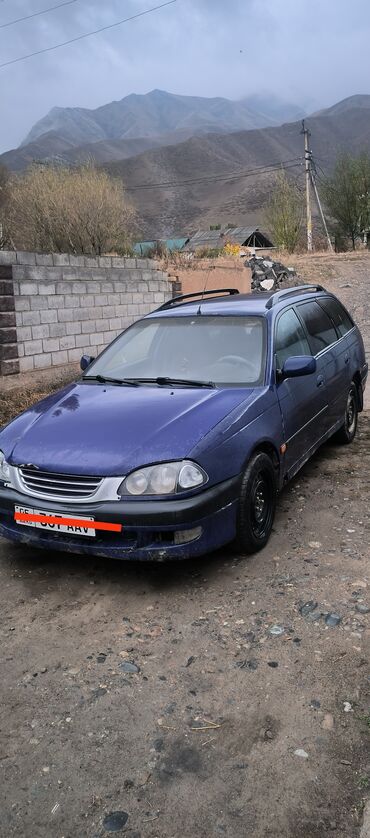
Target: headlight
{"x":4,"y":469}
{"x":164,"y":479}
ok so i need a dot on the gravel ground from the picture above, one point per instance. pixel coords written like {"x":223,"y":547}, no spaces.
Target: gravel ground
{"x":225,"y":729}
{"x":160,"y":701}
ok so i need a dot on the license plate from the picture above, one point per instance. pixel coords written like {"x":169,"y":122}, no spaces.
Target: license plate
{"x":70,"y":529}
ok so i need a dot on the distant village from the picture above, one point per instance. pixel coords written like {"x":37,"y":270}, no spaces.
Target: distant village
{"x":216,"y":240}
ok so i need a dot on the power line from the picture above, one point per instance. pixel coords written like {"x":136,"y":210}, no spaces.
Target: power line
{"x":87,"y":34}
{"x":316,"y":168}
{"x":212,"y":179}
{"x":36,"y":14}
{"x":229,"y":176}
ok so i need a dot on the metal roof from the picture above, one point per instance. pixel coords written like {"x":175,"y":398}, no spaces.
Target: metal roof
{"x":142,"y":248}
{"x":213,"y":235}
{"x":241,"y":234}
{"x":177,"y":243}
{"x":205,"y":238}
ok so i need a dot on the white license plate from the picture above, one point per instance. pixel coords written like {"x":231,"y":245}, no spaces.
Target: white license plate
{"x":70,"y":529}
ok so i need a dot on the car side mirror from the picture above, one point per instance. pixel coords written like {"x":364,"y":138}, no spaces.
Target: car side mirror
{"x":298,"y":365}
{"x":85,"y":361}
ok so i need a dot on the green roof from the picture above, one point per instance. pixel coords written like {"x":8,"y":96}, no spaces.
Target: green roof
{"x":142,"y":248}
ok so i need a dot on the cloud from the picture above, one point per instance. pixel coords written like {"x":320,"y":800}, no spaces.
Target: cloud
{"x":308,"y":54}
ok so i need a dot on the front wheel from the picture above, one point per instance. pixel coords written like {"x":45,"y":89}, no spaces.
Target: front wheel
{"x":347,"y":432}
{"x":257,"y":504}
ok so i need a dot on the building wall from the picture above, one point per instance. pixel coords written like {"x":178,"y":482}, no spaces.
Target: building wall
{"x":223,"y":272}
{"x":56,"y":307}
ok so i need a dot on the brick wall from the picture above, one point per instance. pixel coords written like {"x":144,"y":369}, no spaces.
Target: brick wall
{"x":56,"y":307}
{"x":8,"y":332}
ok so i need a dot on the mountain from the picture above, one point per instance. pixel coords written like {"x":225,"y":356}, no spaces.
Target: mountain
{"x":164,"y":138}
{"x":272,"y":110}
{"x":346,"y":105}
{"x":137,"y":123}
{"x":157,"y":113}
{"x":51,"y":147}
{"x":177,"y":208}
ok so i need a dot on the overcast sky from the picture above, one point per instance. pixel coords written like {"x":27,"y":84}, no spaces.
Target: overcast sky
{"x":311,"y":53}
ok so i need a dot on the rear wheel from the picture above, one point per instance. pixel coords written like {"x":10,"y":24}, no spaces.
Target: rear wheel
{"x":347,"y":432}
{"x":257,"y":504}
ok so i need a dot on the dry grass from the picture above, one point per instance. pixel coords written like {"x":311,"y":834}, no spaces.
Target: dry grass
{"x":18,"y":393}
{"x":13,"y":403}
{"x":322,"y":266}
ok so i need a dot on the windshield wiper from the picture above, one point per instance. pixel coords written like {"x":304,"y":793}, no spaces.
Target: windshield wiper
{"x":160,"y":380}
{"x":187,"y":382}
{"x":102,"y":379}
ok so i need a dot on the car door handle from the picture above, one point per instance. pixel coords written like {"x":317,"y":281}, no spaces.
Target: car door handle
{"x":320,"y":381}
{"x":346,"y":359}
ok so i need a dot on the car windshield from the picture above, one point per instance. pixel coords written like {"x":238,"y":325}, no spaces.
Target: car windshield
{"x":225,"y":350}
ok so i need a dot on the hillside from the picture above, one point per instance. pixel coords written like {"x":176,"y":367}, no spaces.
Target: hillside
{"x":137,"y":123}
{"x":176,"y":209}
{"x":52,"y":147}
{"x":159,"y":112}
{"x":346,"y":105}
{"x":189,"y":152}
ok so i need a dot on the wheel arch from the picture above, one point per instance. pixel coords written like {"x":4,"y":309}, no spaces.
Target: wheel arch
{"x":267,"y":447}
{"x":360,"y":396}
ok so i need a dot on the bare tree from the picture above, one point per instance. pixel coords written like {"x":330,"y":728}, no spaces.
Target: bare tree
{"x":82,"y":210}
{"x":285,"y":213}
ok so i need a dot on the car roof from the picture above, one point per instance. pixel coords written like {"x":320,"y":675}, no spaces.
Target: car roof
{"x":257,"y":304}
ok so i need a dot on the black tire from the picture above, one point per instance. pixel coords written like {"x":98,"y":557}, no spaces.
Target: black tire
{"x":347,"y":432}
{"x":257,"y":504}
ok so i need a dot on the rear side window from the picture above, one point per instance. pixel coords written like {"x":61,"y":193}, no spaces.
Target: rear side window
{"x":290,"y":338}
{"x":338,"y":315}
{"x":319,"y":326}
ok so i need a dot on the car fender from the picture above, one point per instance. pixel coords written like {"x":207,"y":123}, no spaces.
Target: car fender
{"x":225,"y":451}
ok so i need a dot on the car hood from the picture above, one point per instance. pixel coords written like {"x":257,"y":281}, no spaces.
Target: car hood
{"x":109,"y":430}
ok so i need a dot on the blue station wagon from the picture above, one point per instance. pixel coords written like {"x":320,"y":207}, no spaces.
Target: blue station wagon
{"x":179,"y":436}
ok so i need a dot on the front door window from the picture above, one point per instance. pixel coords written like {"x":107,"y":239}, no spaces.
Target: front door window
{"x":290,"y":338}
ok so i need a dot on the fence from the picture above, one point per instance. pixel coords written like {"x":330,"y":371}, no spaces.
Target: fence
{"x":56,"y":307}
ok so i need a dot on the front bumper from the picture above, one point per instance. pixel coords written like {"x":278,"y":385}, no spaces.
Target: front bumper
{"x":148,"y":525}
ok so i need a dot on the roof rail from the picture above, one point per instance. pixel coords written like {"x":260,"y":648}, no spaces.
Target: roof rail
{"x":182,"y":297}
{"x":287,"y":292}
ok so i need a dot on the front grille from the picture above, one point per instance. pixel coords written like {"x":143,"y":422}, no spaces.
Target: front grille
{"x":59,"y":485}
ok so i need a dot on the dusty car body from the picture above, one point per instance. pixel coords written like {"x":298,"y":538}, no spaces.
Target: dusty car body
{"x":179,"y":436}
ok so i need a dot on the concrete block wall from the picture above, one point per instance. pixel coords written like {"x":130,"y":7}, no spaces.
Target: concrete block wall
{"x":56,"y":307}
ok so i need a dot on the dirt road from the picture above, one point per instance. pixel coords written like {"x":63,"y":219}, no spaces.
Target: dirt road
{"x":242,"y":716}
{"x":212,"y":698}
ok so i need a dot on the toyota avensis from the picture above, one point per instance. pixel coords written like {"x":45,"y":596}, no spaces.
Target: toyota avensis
{"x":179,"y":436}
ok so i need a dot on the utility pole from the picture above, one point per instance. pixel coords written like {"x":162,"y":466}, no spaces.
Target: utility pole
{"x":307,"y":156}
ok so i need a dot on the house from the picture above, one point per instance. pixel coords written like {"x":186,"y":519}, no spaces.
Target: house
{"x":248,"y":238}
{"x":251,"y":238}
